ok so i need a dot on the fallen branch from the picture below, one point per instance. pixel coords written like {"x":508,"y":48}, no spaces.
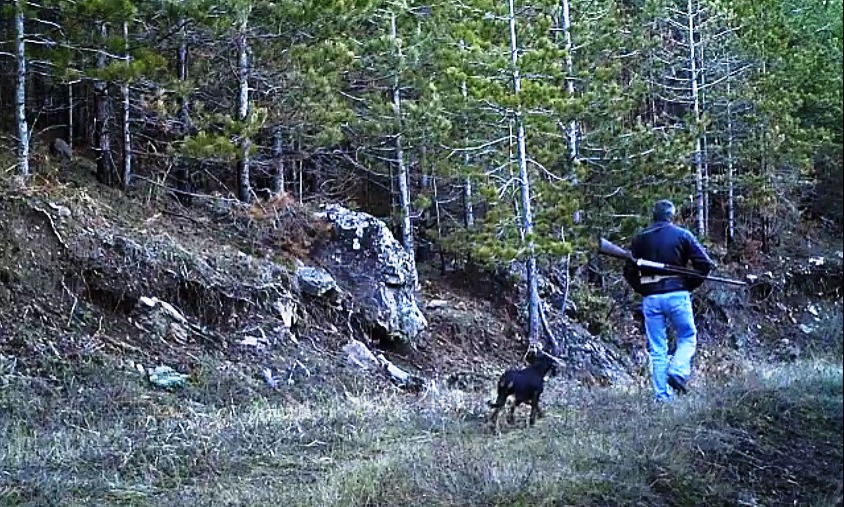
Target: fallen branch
{"x":52,"y":225}
{"x":182,"y":215}
{"x":75,"y":301}
{"x":360,"y":355}
{"x":403,"y":377}
{"x":554,"y":343}
{"x":118,"y":343}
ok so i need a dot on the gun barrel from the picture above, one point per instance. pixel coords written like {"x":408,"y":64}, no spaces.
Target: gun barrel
{"x":728,"y":281}
{"x":609,"y":248}
{"x":690,"y":272}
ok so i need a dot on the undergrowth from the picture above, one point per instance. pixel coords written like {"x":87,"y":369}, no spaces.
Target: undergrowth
{"x":95,"y":434}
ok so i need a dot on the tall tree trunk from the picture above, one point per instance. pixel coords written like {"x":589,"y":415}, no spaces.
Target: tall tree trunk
{"x":301,"y":170}
{"x":183,"y":75}
{"x":105,"y":162}
{"x":20,"y":91}
{"x":70,"y":114}
{"x":468,"y":211}
{"x":571,"y":131}
{"x":127,"y":131}
{"x":185,"y":169}
{"x":524,"y":180}
{"x":244,"y":180}
{"x":278,"y":152}
{"x":425,"y":175}
{"x":695,"y":92}
{"x":89,"y":112}
{"x":404,"y":189}
{"x":763,"y":212}
{"x":706,"y":182}
{"x":511,"y":155}
{"x":731,"y":203}
{"x":707,"y":191}
{"x":438,"y":217}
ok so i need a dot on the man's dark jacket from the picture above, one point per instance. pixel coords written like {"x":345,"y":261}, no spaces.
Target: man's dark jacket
{"x":669,"y":244}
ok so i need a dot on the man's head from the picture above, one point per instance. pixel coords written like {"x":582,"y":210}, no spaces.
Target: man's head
{"x":664,"y":211}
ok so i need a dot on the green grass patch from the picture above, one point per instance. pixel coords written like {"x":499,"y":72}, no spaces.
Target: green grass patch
{"x":98,"y":435}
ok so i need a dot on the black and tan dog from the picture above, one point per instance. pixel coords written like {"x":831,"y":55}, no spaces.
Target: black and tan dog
{"x":523,"y":385}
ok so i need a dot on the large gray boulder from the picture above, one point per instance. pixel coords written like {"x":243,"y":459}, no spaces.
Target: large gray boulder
{"x":369,"y":264}
{"x":587,"y":356}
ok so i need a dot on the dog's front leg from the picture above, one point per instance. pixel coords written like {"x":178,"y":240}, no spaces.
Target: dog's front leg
{"x":511,"y":415}
{"x":535,"y":411}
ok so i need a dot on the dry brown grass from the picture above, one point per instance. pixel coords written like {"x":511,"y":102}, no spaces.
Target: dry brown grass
{"x":97,"y":435}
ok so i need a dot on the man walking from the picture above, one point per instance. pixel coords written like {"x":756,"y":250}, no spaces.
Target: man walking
{"x":667,"y":297}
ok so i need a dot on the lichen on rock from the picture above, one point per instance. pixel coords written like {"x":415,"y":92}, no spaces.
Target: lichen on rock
{"x":372,"y":266}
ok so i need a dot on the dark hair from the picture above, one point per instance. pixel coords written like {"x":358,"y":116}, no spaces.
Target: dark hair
{"x":664,"y":211}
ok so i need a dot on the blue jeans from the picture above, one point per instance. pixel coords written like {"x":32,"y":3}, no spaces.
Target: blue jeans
{"x":674,"y":308}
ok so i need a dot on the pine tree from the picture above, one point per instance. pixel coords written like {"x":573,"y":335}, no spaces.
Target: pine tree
{"x":244,"y":187}
{"x":20,"y":89}
{"x":127,"y":116}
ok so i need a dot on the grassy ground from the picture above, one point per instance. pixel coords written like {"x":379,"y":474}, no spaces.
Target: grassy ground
{"x":97,"y":435}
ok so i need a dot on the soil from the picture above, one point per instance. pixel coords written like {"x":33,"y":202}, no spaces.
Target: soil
{"x":75,"y":257}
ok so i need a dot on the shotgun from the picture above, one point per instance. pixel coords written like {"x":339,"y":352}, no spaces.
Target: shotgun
{"x":611,"y":249}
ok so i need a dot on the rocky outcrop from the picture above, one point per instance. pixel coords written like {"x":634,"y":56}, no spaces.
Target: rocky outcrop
{"x":587,"y":357}
{"x":315,"y":281}
{"x":368,"y":263}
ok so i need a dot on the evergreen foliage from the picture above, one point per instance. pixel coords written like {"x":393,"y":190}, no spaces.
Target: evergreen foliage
{"x":321,"y":77}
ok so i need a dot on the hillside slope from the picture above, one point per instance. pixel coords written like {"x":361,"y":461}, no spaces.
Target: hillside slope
{"x":80,"y":425}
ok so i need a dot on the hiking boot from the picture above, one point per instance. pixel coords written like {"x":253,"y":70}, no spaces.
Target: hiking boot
{"x":677,"y":383}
